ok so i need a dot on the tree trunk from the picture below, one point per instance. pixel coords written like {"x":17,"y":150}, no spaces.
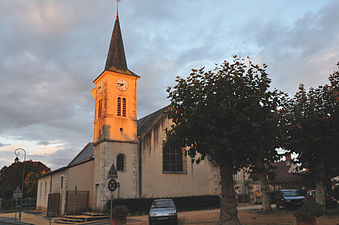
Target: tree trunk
{"x":320,"y":186}
{"x":228,"y":206}
{"x":265,"y":193}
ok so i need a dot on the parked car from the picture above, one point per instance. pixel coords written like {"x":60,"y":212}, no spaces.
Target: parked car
{"x":330,"y":200}
{"x":289,"y":198}
{"x":163,"y":211}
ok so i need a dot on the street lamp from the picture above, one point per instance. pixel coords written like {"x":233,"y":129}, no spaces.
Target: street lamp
{"x":17,"y":153}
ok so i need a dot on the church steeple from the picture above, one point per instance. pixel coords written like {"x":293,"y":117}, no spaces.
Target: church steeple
{"x":116,"y":60}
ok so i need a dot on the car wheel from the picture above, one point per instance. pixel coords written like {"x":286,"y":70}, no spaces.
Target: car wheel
{"x":277,"y":205}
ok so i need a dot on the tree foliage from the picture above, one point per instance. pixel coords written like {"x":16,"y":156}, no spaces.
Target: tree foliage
{"x":228,"y":114}
{"x":11,"y":177}
{"x":313,"y":119}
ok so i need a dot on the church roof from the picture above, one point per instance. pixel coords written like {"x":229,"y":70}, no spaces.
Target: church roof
{"x":116,"y":60}
{"x":85,"y":155}
{"x":146,"y":123}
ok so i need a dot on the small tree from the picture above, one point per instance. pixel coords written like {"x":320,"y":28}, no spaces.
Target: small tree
{"x":11,"y":176}
{"x":227,"y":114}
{"x":31,"y":184}
{"x":314,"y":131}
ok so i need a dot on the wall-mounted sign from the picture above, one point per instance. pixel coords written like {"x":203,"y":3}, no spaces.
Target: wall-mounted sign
{"x":112,"y":173}
{"x":112,"y":185}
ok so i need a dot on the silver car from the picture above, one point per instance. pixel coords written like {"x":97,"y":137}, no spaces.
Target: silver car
{"x":163,"y":211}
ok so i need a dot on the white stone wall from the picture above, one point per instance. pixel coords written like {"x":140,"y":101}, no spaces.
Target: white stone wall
{"x":105,"y":153}
{"x":197,"y":179}
{"x":44,"y":188}
{"x":82,"y":176}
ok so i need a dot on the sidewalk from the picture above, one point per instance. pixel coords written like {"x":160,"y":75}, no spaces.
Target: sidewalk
{"x":37,"y":218}
{"x":26,"y":219}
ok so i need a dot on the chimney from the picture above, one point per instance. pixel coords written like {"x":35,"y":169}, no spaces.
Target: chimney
{"x":288,"y":159}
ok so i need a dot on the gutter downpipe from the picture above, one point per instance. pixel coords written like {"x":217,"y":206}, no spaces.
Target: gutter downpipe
{"x":140,"y":165}
{"x":50,"y":192}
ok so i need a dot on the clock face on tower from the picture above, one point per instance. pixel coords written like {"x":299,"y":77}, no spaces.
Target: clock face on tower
{"x":122,"y":84}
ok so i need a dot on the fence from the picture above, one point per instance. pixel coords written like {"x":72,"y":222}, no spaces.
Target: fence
{"x":77,"y":202}
{"x":12,"y":204}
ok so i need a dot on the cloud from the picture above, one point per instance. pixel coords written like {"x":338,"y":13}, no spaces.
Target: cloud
{"x":51,"y":51}
{"x":43,"y":143}
{"x":2,"y":145}
{"x":304,"y":52}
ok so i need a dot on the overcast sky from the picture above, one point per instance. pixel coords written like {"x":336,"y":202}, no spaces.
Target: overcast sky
{"x":51,"y":51}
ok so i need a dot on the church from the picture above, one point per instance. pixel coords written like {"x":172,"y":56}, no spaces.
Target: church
{"x":124,"y":149}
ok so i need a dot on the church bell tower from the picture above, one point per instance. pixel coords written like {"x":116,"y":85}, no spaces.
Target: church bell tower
{"x":115,"y":124}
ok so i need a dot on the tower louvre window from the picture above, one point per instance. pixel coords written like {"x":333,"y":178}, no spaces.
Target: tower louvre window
{"x":100,"y":109}
{"x":124,"y":107}
{"x":119,"y":107}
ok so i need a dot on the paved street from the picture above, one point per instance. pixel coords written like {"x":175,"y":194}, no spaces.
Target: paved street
{"x":190,"y":217}
{"x":248,"y":214}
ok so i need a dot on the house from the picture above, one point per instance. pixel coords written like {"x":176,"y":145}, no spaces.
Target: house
{"x":282,"y":174}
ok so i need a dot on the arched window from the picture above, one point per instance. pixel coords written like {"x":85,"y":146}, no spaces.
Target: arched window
{"x":119,"y":107}
{"x":121,"y":162}
{"x":172,"y":160}
{"x":124,"y":107}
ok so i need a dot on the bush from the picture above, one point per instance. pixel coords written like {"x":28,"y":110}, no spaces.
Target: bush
{"x":120,"y":211}
{"x":308,"y":211}
{"x":142,"y":205}
{"x":336,"y":192}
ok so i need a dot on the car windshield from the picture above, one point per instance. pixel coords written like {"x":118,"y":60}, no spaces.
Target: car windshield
{"x":165,"y":203}
{"x":291,"y":193}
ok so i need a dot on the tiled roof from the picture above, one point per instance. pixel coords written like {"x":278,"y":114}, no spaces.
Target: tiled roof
{"x":85,"y":154}
{"x":283,"y":174}
{"x":146,"y":123}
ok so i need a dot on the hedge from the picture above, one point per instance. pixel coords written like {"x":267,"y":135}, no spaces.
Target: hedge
{"x":182,"y":203}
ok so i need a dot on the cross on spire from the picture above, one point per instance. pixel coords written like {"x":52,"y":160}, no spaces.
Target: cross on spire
{"x":116,"y":60}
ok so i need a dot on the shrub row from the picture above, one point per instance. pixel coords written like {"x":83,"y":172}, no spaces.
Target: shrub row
{"x":182,"y":203}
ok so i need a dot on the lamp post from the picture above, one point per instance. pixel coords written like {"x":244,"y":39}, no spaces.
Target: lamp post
{"x":17,"y":153}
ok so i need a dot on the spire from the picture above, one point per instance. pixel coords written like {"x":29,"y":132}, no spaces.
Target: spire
{"x":116,"y":60}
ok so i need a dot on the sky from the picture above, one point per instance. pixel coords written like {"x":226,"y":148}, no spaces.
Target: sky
{"x":52,"y":50}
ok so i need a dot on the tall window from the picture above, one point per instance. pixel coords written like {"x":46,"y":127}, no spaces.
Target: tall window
{"x":40,"y":189}
{"x":99,"y":109}
{"x":61,"y":182}
{"x":45,"y":189}
{"x":124,"y":107}
{"x":172,"y":160}
{"x":121,"y":162}
{"x":119,"y":107}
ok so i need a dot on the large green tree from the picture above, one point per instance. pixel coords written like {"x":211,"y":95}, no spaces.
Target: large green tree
{"x":11,"y":177}
{"x":313,"y":133}
{"x":227,"y":114}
